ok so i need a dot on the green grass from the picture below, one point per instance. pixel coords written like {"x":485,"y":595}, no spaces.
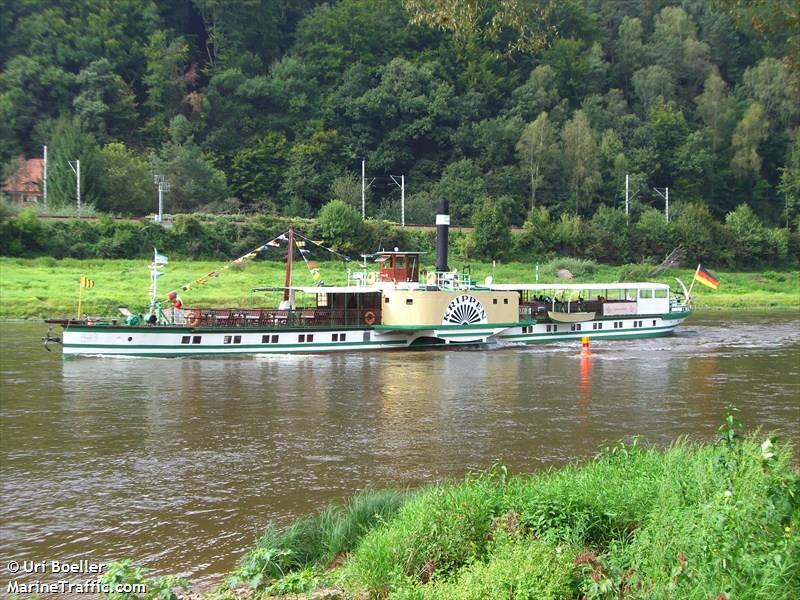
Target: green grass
{"x":46,"y":287}
{"x":691,"y":521}
{"x":315,"y":541}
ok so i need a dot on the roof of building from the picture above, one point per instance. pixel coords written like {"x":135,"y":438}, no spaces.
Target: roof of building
{"x":28,"y":178}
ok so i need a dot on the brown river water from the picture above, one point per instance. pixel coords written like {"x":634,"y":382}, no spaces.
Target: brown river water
{"x":180,"y":463}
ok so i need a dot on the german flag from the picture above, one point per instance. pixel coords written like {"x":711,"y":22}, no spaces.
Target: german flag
{"x":706,"y":277}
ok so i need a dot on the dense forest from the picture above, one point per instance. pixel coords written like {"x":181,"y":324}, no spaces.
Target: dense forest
{"x":504,"y":108}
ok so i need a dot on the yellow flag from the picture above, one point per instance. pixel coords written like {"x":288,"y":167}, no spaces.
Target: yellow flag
{"x":86,"y":282}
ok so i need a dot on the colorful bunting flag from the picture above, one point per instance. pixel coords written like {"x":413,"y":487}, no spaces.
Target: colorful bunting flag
{"x":160,"y":259}
{"x":213,"y":274}
{"x":273,"y":243}
{"x":86,"y":282}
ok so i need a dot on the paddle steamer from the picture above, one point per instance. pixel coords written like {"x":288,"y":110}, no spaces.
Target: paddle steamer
{"x":395,"y":306}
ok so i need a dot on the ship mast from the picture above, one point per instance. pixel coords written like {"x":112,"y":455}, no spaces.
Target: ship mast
{"x":288,"y":282}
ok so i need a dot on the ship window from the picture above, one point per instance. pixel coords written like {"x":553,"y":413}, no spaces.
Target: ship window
{"x":237,"y":339}
{"x":599,"y":325}
{"x":549,"y":328}
{"x":366,"y":336}
{"x":342,"y":337}
{"x":196,"y":339}
{"x":654,"y":322}
{"x":322,"y":299}
{"x":265,"y":339}
{"x":409,"y":301}
{"x":274,"y":339}
{"x":661,"y":293}
{"x":505,"y":300}
{"x":335,"y":337}
{"x":310,"y":337}
{"x":386,"y":300}
{"x":226,"y":339}
{"x":645,"y":293}
{"x":184,"y":340}
{"x":400,"y":262}
{"x":494,"y":300}
{"x":301,"y":338}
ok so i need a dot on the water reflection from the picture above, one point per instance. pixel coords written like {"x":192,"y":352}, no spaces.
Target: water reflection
{"x":181,"y":463}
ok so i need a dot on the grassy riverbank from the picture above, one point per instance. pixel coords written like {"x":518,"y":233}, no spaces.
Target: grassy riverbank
{"x":46,"y":287}
{"x":717,"y":521}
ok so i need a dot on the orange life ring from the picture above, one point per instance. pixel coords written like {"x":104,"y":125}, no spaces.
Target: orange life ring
{"x":193,"y":318}
{"x":369,"y":317}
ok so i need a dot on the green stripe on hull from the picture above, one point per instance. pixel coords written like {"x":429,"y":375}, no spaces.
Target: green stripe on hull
{"x":619,"y":334}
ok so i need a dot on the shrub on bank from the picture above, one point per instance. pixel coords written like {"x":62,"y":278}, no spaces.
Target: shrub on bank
{"x":743,"y":241}
{"x":692,"y":521}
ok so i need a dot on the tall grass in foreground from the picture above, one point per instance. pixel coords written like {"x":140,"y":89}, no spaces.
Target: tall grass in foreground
{"x":716,"y":521}
{"x":315,"y":541}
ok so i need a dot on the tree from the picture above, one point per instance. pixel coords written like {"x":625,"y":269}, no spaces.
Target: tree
{"x":193,"y":179}
{"x":257,"y":170}
{"x":537,"y":95}
{"x":751,"y":238}
{"x":790,"y":182}
{"x":125,"y":184}
{"x":629,"y":50}
{"x":675,"y":47}
{"x":775,"y":88}
{"x":608,"y":234}
{"x":653,"y":84}
{"x":750,"y":132}
{"x":580,"y":160}
{"x":70,"y":143}
{"x":105,"y":105}
{"x":537,"y":150}
{"x":165,"y":82}
{"x":579,"y":68}
{"x":717,"y":110}
{"x":491,"y":237}
{"x":513,"y":26}
{"x":654,"y":235}
{"x":314,"y":162}
{"x":341,"y":226}
{"x":463,"y":186}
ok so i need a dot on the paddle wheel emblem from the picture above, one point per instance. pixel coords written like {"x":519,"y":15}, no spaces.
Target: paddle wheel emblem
{"x":464,"y":310}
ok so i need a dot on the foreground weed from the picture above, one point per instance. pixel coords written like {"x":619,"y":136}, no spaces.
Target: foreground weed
{"x":124,"y":574}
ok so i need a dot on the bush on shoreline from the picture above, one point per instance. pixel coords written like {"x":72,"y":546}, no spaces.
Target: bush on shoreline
{"x":741,"y":242}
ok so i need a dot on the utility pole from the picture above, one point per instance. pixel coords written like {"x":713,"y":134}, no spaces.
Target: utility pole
{"x":402,"y":186}
{"x":44,"y":179}
{"x":76,"y":168}
{"x":665,"y":195}
{"x":163,"y":186}
{"x":363,"y":189}
{"x":627,"y":187}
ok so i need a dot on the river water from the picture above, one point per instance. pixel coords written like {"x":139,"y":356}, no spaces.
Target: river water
{"x":180,"y":463}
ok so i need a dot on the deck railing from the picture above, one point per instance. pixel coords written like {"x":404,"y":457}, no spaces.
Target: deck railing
{"x":276,"y":318}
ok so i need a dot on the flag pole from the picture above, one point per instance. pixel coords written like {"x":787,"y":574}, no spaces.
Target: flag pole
{"x":696,"y":271}
{"x":80,"y":296}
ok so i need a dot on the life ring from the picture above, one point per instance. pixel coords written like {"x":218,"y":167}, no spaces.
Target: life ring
{"x":370,"y":278}
{"x":369,"y":317}
{"x":431,"y":279}
{"x":193,"y":318}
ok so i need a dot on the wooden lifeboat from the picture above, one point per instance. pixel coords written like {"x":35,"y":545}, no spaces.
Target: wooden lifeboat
{"x":570,"y":317}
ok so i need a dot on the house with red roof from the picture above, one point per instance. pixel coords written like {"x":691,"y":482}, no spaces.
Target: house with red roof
{"x":25,"y":185}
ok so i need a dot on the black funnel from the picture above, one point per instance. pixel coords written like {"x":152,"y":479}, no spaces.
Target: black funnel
{"x":442,"y":231}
